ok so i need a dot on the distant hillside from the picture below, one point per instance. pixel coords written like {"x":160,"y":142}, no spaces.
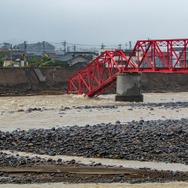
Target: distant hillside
{"x":37,"y":48}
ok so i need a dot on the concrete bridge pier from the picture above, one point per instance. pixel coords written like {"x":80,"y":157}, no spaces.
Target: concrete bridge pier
{"x":129,"y":87}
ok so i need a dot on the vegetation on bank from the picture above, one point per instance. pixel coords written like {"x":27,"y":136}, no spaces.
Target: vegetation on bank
{"x":45,"y":61}
{"x":2,"y":56}
{"x":35,"y":61}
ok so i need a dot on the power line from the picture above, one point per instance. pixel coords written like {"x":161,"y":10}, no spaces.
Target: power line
{"x":91,"y":45}
{"x":65,"y":45}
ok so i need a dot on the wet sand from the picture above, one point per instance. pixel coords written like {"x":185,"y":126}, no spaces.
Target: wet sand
{"x":112,"y":185}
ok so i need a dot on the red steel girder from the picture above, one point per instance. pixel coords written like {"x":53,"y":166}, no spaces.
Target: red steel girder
{"x":98,"y":74}
{"x":165,"y":56}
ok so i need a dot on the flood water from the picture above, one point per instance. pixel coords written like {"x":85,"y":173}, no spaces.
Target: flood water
{"x":52,"y":116}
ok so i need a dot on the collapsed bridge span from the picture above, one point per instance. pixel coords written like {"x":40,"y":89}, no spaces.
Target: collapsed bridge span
{"x":164,"y":56}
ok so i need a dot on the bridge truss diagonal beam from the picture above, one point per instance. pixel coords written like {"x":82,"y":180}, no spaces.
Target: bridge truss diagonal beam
{"x":166,"y":56}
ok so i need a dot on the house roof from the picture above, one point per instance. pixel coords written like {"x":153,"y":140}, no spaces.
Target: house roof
{"x":52,"y":55}
{"x":79,"y":65}
{"x":69,"y":56}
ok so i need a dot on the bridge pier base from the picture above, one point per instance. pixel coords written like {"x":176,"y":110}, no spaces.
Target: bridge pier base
{"x":129,"y":87}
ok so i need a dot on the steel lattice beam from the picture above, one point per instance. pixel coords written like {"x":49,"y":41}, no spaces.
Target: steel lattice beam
{"x":147,"y":56}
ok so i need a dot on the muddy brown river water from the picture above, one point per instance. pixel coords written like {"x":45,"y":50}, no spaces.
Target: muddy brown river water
{"x":53,"y":117}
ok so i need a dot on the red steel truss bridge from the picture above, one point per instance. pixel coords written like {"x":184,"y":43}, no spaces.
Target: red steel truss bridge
{"x":165,"y":56}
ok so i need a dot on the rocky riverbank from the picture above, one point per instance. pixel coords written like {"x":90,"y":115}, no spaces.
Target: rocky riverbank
{"x":156,"y":130}
{"x":159,"y":140}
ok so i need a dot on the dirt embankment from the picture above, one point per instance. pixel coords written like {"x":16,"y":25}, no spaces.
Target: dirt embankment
{"x":19,"y":81}
{"x":164,"y":82}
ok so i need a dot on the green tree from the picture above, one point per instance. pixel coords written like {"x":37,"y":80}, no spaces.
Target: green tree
{"x":2,"y":56}
{"x":34,"y":61}
{"x":45,"y":59}
{"x":1,"y":63}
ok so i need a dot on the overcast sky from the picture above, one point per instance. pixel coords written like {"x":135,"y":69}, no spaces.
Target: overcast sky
{"x":92,"y":21}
